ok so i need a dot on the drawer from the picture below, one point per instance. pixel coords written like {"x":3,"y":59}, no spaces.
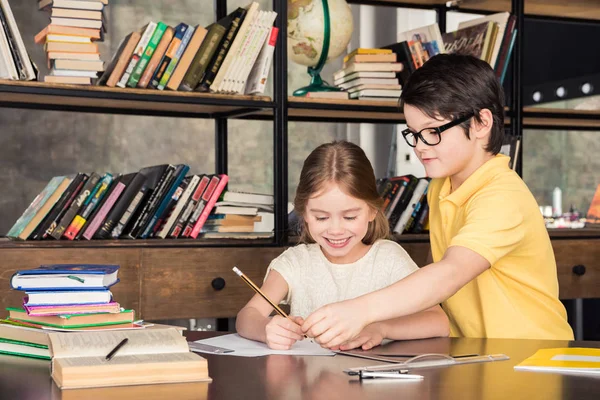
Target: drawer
{"x":199,"y":282}
{"x":578,"y":265}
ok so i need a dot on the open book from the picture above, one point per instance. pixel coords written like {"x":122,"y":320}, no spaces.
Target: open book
{"x":149,"y":357}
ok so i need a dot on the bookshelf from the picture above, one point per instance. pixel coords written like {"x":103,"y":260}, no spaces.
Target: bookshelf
{"x":175,"y":278}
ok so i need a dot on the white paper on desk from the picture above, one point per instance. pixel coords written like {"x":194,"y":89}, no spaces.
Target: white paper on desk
{"x":249,"y":348}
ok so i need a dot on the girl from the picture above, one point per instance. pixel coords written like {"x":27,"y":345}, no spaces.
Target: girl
{"x":345,"y":255}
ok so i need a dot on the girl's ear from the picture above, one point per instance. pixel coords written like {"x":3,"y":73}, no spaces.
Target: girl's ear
{"x":373,"y":215}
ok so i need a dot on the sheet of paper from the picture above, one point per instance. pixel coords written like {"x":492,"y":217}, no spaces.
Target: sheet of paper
{"x":249,"y":348}
{"x":141,"y":341}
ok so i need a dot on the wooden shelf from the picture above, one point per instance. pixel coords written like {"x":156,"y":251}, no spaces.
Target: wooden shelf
{"x":560,"y":118}
{"x":327,"y":110}
{"x":576,"y":9}
{"x":579,"y":9}
{"x":102,"y":99}
{"x":138,"y":243}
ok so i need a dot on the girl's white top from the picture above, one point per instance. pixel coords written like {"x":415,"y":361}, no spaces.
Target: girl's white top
{"x":314,"y":281}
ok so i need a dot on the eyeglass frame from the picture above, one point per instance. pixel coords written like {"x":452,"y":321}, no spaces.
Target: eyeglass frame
{"x":438,"y":130}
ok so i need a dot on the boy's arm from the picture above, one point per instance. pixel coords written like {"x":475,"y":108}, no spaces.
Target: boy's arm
{"x":338,"y":323}
{"x":432,"y":322}
{"x":254,"y":317}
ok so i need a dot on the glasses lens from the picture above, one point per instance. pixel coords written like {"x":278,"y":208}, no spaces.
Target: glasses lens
{"x":410,"y":137}
{"x":430,"y":136}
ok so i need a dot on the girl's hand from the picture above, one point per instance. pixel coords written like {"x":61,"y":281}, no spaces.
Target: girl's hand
{"x":281,"y":333}
{"x":370,"y":337}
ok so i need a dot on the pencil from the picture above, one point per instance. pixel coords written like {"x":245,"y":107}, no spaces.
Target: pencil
{"x":264,"y":296}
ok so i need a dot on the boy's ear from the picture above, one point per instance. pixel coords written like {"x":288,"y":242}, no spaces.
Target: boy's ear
{"x":483,"y":128}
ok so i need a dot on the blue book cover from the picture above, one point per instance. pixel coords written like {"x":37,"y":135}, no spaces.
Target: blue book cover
{"x":66,"y":277}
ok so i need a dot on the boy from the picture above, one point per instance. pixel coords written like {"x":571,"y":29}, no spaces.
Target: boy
{"x":493,"y":265}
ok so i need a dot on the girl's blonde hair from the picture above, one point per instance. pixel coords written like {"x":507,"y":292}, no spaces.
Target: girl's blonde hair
{"x":345,"y":164}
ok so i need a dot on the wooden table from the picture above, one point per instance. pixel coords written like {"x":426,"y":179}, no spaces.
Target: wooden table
{"x":286,"y":377}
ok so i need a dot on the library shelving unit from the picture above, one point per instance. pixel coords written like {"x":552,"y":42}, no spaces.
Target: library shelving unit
{"x":164,"y":279}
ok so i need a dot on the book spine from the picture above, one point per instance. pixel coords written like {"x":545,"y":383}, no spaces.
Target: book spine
{"x":81,"y":218}
{"x":185,"y":40}
{"x":217,"y":61}
{"x":133,"y":206}
{"x":137,"y":54}
{"x":179,"y":207}
{"x":151,"y":204}
{"x":257,"y":80}
{"x":101,"y":216}
{"x":170,"y":209}
{"x":209,"y":206}
{"x":170,"y":188}
{"x":244,"y":57}
{"x":169,"y":55}
{"x":76,"y":206}
{"x":189,"y":207}
{"x":159,"y":54}
{"x":147,"y":54}
{"x":205,"y":53}
{"x":199,"y":207}
{"x":72,"y":192}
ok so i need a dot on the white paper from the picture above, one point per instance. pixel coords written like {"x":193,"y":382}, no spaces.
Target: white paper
{"x":249,"y":348}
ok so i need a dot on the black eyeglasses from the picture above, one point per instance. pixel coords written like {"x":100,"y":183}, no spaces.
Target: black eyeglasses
{"x":432,"y":136}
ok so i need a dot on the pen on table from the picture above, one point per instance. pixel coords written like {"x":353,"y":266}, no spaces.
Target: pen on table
{"x":389,"y":375}
{"x":117,"y":347}
{"x":264,"y":296}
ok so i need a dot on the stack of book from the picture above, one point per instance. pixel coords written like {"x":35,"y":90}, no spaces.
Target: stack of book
{"x":69,"y":297}
{"x":156,"y":202}
{"x":370,"y":74}
{"x":405,"y":203}
{"x":232,"y":55}
{"x":75,"y":25}
{"x":239,"y":214}
{"x":14,"y":60}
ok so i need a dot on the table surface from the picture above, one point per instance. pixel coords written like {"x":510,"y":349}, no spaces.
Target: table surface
{"x":289,"y":377}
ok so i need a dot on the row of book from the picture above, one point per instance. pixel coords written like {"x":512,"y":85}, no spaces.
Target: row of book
{"x":68,"y":39}
{"x":15,"y":63}
{"x":158,"y":201}
{"x":405,"y":203}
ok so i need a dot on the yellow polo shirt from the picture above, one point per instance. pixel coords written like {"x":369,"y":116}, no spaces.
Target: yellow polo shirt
{"x":494,"y":214}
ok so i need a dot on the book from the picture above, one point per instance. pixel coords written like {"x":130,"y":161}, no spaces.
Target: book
{"x":78,"y":23}
{"x":24,"y":349}
{"x":203,"y":56}
{"x":66,"y":277}
{"x":209,"y":206}
{"x":116,"y":67}
{"x":73,"y":321}
{"x":426,"y":34}
{"x":367,"y":67}
{"x":242,"y":197}
{"x":25,"y":67}
{"x":593,"y":214}
{"x":155,"y":60}
{"x":147,"y":54}
{"x":13,"y":331}
{"x":74,"y":4}
{"x":363,"y":50}
{"x":75,"y":206}
{"x":137,"y":53}
{"x":200,"y":205}
{"x":185,"y":60}
{"x":38,"y":209}
{"x":179,"y":207}
{"x":71,"y":309}
{"x":40,"y":37}
{"x":189,"y":207}
{"x":148,"y":357}
{"x":572,"y":360}
{"x":501,"y":19}
{"x":181,"y":32}
{"x":471,"y":40}
{"x":67,"y":297}
{"x":71,"y":13}
{"x":111,"y":198}
{"x":256,"y":82}
{"x":71,"y":47}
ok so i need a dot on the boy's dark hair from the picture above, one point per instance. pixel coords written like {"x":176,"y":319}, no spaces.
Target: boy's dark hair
{"x":451,"y":86}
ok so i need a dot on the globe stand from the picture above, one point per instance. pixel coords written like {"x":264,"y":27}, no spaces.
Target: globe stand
{"x":316,"y":82}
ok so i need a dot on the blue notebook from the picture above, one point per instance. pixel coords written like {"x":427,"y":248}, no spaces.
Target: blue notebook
{"x":66,"y":277}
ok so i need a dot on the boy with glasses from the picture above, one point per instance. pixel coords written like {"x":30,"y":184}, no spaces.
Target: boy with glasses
{"x":493,"y":266}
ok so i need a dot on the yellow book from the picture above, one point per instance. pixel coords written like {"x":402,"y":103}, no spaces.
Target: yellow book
{"x":576,"y":360}
{"x":362,"y":50}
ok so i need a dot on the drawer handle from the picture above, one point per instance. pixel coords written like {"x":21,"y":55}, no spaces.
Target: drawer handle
{"x":579,"y":270}
{"x":218,"y":283}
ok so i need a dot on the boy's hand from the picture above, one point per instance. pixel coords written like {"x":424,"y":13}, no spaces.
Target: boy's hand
{"x":281,"y":333}
{"x":370,"y":337}
{"x":335,"y":323}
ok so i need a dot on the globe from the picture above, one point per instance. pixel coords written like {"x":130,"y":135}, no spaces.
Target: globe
{"x":318,"y":31}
